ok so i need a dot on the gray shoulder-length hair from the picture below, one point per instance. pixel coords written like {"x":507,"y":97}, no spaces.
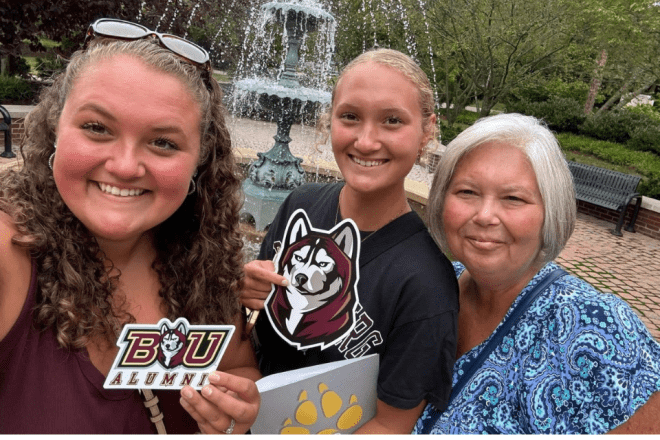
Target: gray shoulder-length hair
{"x":553,"y":177}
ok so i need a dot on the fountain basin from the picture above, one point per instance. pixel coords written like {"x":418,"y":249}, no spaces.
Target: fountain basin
{"x":263,"y":86}
{"x":309,"y":8}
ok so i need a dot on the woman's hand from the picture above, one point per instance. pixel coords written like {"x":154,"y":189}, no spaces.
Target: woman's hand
{"x":225,"y":398}
{"x":231,"y":394}
{"x":258,"y":282}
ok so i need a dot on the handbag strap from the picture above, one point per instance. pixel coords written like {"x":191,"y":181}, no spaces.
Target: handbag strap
{"x":471,"y":366}
{"x":151,"y":402}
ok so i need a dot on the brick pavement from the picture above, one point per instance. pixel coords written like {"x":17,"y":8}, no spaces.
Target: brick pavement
{"x":627,"y":266}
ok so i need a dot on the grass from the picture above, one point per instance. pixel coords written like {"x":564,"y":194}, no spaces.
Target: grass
{"x":588,"y":159}
{"x":222,"y":77}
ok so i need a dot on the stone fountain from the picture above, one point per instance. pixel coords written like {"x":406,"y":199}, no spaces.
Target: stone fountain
{"x":277,"y":172}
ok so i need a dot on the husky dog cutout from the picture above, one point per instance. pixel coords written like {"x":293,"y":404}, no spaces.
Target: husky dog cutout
{"x":172,"y":345}
{"x":318,"y":306}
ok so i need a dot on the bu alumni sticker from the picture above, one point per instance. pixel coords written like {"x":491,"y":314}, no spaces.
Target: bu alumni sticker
{"x":167,"y":356}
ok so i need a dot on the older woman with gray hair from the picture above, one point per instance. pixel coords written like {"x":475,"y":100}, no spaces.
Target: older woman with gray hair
{"x":539,"y":351}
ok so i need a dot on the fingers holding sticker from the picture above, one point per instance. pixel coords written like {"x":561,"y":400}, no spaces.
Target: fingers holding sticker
{"x":229,"y":404}
{"x":260,"y":276}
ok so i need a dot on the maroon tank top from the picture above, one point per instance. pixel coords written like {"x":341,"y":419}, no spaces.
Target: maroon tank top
{"x":47,"y":389}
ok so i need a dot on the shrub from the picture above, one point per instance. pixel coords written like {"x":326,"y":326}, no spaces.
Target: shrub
{"x":447,"y":133}
{"x":534,"y":91}
{"x":650,"y":187}
{"x":544,"y":90}
{"x":518,"y":106}
{"x":646,"y":109}
{"x":467,"y":117}
{"x":645,"y":138}
{"x":576,"y":90}
{"x":561,"y":114}
{"x":621,"y":126}
{"x":608,"y":126}
{"x":605,"y":127}
{"x":18,"y":66}
{"x":643,"y":162}
{"x":13,"y":88}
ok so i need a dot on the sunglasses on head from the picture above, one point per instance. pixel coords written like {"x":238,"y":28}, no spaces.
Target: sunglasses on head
{"x":125,"y":30}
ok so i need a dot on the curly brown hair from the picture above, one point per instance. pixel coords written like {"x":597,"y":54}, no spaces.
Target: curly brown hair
{"x":198,"y":249}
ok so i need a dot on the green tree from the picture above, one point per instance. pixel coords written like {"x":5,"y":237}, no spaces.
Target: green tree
{"x":364,"y":24}
{"x":496,"y":45}
{"x":24,"y":23}
{"x":624,"y":36}
{"x":215,"y":25}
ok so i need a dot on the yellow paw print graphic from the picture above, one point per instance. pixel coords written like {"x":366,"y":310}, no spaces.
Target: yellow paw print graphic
{"x":307,"y":414}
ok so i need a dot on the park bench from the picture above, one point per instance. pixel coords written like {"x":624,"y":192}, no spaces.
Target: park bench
{"x":608,"y":189}
{"x":5,"y":125}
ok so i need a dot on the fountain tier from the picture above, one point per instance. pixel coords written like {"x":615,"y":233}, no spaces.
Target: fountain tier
{"x":276,"y":173}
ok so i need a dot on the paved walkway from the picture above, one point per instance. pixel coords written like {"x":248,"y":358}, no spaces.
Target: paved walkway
{"x":627,"y":266}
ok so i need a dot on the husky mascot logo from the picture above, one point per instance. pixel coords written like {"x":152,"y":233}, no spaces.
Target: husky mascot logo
{"x":167,"y":355}
{"x":318,"y":306}
{"x":172,"y":345}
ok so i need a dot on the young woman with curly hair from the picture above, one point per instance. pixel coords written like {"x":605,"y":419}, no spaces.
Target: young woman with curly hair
{"x":125,"y":210}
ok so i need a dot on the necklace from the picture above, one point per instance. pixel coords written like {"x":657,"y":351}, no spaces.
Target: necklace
{"x":397,"y":215}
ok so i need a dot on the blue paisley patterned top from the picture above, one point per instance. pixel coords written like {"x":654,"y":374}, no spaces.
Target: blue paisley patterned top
{"x":577,"y":361}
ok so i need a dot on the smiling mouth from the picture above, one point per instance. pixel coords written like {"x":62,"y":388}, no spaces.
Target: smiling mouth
{"x":479,"y":242}
{"x":367,"y":163}
{"x":120,"y":192}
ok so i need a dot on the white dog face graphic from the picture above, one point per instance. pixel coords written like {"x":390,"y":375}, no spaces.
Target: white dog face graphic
{"x":313,"y":282}
{"x":309,"y":269}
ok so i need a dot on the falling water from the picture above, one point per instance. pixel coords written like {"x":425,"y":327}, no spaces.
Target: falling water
{"x":422,"y":7}
{"x":139,"y":17}
{"x":373,"y":20}
{"x":410,"y":39}
{"x":384,"y":11}
{"x":176,"y":12}
{"x":375,"y":13}
{"x":364,"y":24}
{"x":192,"y":14}
{"x":250,"y":250}
{"x":314,"y":65}
{"x":167,"y":7}
{"x":223,"y":23}
{"x":258,"y":59}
